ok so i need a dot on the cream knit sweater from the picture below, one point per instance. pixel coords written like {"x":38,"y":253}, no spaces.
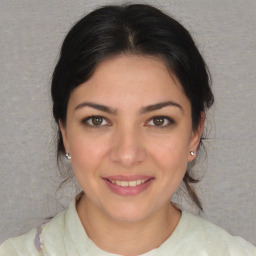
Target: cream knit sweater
{"x":64,"y":235}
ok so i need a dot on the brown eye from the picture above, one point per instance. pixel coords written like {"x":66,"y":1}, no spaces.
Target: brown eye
{"x":158,"y":121}
{"x":161,"y":121}
{"x":97,"y":120}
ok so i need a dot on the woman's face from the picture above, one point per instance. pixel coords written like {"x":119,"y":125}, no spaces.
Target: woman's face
{"x":129,"y":132}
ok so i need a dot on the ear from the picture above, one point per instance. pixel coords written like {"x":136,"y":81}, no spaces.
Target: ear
{"x":196,"y":137}
{"x":63,"y":131}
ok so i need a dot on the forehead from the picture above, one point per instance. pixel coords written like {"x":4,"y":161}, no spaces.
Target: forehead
{"x":131,"y":67}
{"x":130,"y":79}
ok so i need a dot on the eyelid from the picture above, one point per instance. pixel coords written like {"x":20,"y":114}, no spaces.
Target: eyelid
{"x":106,"y":121}
{"x":85,"y":120}
{"x":169,"y":119}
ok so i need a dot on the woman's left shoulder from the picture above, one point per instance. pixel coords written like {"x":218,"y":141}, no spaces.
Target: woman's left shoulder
{"x":212,"y":236}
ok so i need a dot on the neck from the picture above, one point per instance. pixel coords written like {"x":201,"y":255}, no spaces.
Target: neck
{"x":127,"y":238}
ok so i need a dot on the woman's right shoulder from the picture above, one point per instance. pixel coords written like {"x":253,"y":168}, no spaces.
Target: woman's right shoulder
{"x":31,"y":243}
{"x":20,"y":246}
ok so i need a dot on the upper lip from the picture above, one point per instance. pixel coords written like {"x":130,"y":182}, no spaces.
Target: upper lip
{"x":128,"y":177}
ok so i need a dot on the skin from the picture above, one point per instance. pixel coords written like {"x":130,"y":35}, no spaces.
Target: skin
{"x":129,"y":142}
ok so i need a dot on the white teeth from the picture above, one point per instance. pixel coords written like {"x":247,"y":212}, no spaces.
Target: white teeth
{"x":124,"y":183}
{"x":138,"y":182}
{"x":132,"y":183}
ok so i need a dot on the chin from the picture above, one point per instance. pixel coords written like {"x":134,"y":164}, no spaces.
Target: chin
{"x":128,"y":214}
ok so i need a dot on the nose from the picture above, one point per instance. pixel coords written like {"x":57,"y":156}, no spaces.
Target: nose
{"x":127,"y":147}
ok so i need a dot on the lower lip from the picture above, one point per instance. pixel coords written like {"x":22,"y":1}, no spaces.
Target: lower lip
{"x":128,"y":191}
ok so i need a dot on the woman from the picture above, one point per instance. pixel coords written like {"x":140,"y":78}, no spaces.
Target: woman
{"x":130,"y":93}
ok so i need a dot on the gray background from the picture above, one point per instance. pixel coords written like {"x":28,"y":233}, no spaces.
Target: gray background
{"x":31,"y":34}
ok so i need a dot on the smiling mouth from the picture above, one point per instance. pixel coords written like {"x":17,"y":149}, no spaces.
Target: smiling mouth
{"x":128,"y":185}
{"x":132,"y":183}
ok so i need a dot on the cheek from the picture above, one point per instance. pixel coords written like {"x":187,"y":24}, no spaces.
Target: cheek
{"x":173,"y":163}
{"x":87,"y":153}
{"x":171,"y":151}
{"x":170,"y":158}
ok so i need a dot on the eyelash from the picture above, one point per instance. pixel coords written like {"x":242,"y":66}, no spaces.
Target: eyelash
{"x":167,"y":119}
{"x":88,"y":122}
{"x":88,"y":119}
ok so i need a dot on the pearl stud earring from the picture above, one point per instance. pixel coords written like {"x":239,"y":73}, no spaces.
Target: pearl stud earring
{"x":68,"y":156}
{"x":192,"y":153}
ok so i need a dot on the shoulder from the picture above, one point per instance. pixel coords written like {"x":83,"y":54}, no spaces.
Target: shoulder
{"x":207,"y":235}
{"x":20,"y":246}
{"x":32,"y":243}
{"x":56,"y":237}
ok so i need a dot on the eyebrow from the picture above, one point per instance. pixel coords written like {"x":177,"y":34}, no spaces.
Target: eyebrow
{"x":160,"y":105}
{"x":143,"y":110}
{"x":97,"y":106}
